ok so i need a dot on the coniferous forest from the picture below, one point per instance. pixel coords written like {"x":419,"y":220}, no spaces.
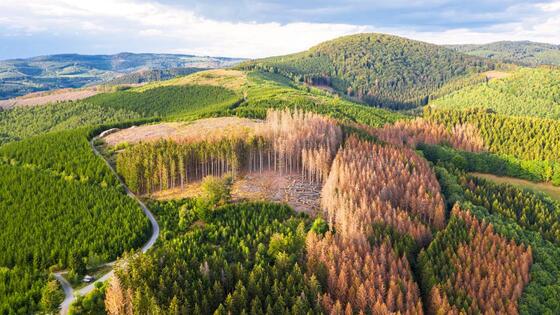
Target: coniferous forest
{"x":402,"y":223}
{"x":62,"y":209}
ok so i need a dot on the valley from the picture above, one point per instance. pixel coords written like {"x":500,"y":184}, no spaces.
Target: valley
{"x":22,"y":76}
{"x":371,"y":174}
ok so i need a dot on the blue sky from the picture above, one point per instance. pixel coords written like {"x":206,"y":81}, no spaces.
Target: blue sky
{"x":258,"y":28}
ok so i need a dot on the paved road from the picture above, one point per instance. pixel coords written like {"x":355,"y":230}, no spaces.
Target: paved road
{"x":68,"y":293}
{"x":68,"y":290}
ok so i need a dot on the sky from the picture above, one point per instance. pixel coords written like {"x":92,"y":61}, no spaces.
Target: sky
{"x":253,"y":29}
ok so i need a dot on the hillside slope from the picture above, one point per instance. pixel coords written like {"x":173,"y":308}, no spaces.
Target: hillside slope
{"x":202,"y":94}
{"x":142,"y":76}
{"x":520,"y":52}
{"x":526,"y":92}
{"x":22,"y":76}
{"x":378,"y":69}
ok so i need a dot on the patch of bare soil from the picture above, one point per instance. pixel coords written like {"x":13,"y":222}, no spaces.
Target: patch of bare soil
{"x":209,"y":128}
{"x":299,"y":194}
{"x":49,"y":97}
{"x":494,"y":74}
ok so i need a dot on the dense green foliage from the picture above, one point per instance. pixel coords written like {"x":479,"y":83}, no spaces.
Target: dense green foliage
{"x":485,"y":162}
{"x":526,"y":92}
{"x":20,"y":289}
{"x":181,"y":102}
{"x":521,"y":52}
{"x":184,"y":103}
{"x":435,"y":264}
{"x":91,"y":304}
{"x":540,"y":296}
{"x":245,"y":258}
{"x":168,"y":100}
{"x":62,"y":217}
{"x":60,"y":206}
{"x":67,"y":154}
{"x":22,"y":122}
{"x":525,"y":138}
{"x":381,"y":70}
{"x":149,"y":167}
{"x":266,"y":90}
{"x":531,"y":211}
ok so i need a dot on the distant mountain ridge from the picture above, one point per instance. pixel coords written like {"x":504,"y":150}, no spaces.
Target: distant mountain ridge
{"x":42,"y":73}
{"x":525,"y":53}
{"x":377,"y":69}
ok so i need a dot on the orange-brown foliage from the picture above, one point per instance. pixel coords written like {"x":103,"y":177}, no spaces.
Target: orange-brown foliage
{"x":490,"y":269}
{"x":117,"y":300}
{"x":410,"y":133}
{"x":287,"y":142}
{"x":372,"y":183}
{"x":302,"y":141}
{"x":362,"y":278}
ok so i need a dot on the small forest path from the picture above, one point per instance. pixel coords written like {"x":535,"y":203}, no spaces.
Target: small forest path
{"x":69,"y":293}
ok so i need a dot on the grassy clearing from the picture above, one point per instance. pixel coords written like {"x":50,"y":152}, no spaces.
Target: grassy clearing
{"x":96,"y":273}
{"x":229,"y":79}
{"x":208,"y":128}
{"x":552,"y":191}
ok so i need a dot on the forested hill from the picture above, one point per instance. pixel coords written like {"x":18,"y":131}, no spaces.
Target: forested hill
{"x":22,"y":76}
{"x":378,"y":69}
{"x":521,"y":52}
{"x":523,"y":92}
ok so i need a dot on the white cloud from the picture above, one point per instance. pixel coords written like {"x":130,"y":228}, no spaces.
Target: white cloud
{"x":152,"y":22}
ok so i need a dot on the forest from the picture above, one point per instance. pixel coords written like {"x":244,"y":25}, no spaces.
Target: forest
{"x":411,"y":133}
{"x":263,"y":91}
{"x":23,"y":122}
{"x":531,"y":211}
{"x":525,"y":145}
{"x":296,"y":136}
{"x":523,"y":92}
{"x":168,"y":101}
{"x":268,"y":90}
{"x":377,"y":69}
{"x":522,"y":137}
{"x":539,"y":296}
{"x":335,"y":284}
{"x":386,"y":210}
{"x":66,"y":154}
{"x":469,"y":268}
{"x":525,"y":53}
{"x":73,"y":212}
{"x":401,"y":225}
{"x":247,"y":258}
{"x":287,"y":142}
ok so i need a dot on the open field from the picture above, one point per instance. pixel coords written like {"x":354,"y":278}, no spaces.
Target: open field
{"x":182,"y":131}
{"x":301,"y":195}
{"x":43,"y":98}
{"x":547,"y":188}
{"x":229,"y":79}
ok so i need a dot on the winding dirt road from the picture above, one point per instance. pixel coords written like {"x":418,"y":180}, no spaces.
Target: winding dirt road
{"x":69,"y":292}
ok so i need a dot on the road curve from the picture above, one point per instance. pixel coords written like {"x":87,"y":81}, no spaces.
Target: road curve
{"x":69,"y":293}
